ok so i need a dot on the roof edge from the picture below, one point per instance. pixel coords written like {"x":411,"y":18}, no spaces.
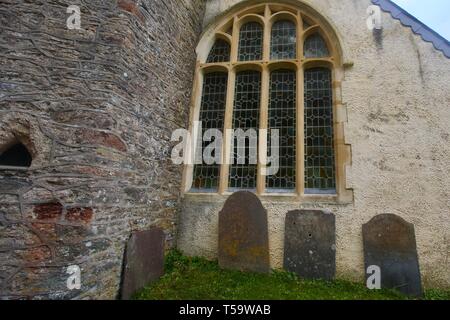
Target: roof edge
{"x":418,"y":27}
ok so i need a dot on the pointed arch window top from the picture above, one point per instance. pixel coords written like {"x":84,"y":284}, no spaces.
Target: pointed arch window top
{"x":220,"y":52}
{"x":315,"y":47}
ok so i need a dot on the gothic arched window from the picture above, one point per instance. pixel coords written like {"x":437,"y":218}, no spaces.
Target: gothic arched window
{"x":272,"y":69}
{"x":315,"y":47}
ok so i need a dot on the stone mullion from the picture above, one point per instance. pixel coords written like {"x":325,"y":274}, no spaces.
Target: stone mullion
{"x":264,"y":106}
{"x":267,"y":33}
{"x":227,"y":137}
{"x":300,"y":145}
{"x":263,"y":125}
{"x":300,"y":150}
{"x":299,"y":37}
{"x":228,"y":121}
{"x":234,"y":41}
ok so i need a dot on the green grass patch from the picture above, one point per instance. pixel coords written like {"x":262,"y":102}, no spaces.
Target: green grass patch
{"x":199,"y":279}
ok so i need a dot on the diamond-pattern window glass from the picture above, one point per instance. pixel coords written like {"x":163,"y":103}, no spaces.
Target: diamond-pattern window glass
{"x":245,"y":116}
{"x":284,"y":40}
{"x":315,"y":47}
{"x":220,"y":52}
{"x":212,"y":113}
{"x":250,"y":42}
{"x":320,"y":176}
{"x":282,"y":116}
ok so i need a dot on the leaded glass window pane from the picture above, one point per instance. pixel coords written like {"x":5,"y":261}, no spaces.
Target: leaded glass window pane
{"x":245,"y":116}
{"x":319,"y":150}
{"x":284,"y":40}
{"x":250,"y":42}
{"x":212,"y":113}
{"x":220,"y":52}
{"x":315,"y":47}
{"x":282,"y":116}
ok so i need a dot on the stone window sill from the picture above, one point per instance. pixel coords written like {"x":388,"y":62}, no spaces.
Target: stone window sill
{"x":332,"y":199}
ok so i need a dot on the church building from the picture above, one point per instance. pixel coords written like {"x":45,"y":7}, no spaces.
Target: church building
{"x":357,"y":91}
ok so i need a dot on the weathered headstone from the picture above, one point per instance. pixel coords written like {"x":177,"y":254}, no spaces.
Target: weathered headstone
{"x":243,"y":235}
{"x":310,"y":244}
{"x":144,"y":261}
{"x":390,"y":244}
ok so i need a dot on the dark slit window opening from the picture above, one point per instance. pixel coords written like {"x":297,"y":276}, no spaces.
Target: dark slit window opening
{"x":16,"y":156}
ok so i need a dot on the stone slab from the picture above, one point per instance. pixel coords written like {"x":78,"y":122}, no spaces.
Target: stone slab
{"x":243,"y":234}
{"x":144,"y":261}
{"x":390,"y":243}
{"x":310,"y":244}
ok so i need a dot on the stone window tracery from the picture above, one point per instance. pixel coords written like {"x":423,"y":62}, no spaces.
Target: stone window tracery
{"x":281,"y":66}
{"x":220,"y":52}
{"x":315,"y":47}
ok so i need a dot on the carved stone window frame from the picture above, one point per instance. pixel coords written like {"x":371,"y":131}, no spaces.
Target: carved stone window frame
{"x":227,"y":28}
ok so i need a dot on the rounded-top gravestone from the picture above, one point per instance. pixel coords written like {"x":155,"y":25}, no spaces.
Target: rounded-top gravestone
{"x":390,"y":244}
{"x":243,"y":234}
{"x":144,"y":260}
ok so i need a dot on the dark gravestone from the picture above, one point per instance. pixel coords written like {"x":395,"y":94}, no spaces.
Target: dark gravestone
{"x":144,"y":261}
{"x":243,"y":235}
{"x":390,"y":244}
{"x":310,"y":244}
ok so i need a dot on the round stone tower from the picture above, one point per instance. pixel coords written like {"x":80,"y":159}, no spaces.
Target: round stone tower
{"x":86,"y":116}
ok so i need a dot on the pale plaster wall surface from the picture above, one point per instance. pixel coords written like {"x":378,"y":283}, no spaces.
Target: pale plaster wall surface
{"x":397,"y":96}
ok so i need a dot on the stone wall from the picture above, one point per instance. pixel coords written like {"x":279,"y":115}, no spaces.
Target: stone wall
{"x":397,"y":98}
{"x":96,"y":108}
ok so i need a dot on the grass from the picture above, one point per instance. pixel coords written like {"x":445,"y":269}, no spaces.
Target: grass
{"x":199,"y":279}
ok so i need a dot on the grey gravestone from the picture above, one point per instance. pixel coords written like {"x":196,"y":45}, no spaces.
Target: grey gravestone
{"x":310,"y":244}
{"x":144,"y":261}
{"x":243,"y":235}
{"x":390,"y":243}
